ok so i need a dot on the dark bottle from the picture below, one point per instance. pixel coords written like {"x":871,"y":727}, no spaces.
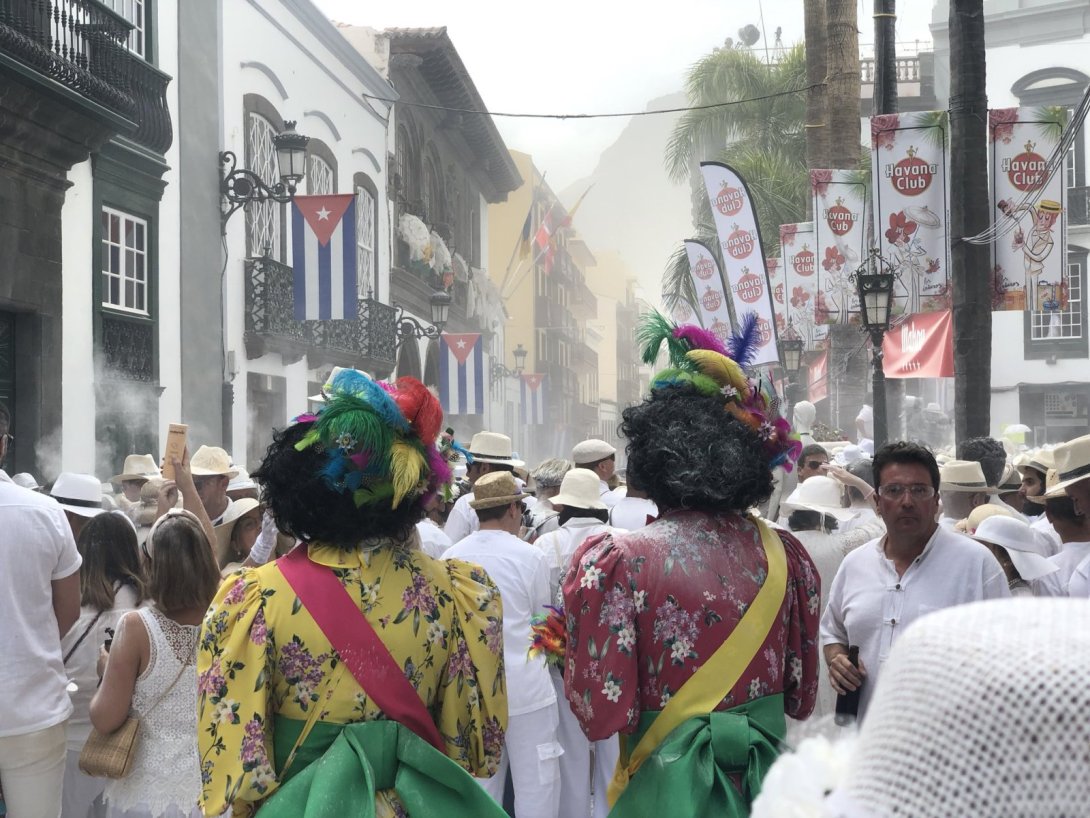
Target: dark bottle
{"x":847,"y":704}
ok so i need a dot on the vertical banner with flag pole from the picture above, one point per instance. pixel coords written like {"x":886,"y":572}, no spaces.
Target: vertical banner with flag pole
{"x":323,"y":244}
{"x":532,"y":399}
{"x":711,"y":296}
{"x":777,"y":283}
{"x":740,"y":241}
{"x":804,"y":304}
{"x":841,"y":206}
{"x":461,"y":373}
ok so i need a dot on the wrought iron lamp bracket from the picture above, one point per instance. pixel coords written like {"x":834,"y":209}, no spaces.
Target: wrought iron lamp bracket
{"x":240,"y":186}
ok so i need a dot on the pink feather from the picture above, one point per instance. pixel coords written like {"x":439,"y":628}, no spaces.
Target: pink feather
{"x":699,"y":338}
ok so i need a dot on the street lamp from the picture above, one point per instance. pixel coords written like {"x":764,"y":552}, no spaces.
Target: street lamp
{"x":792,"y":355}
{"x":874,"y":281}
{"x":410,"y":327}
{"x":499,"y":371}
{"x":241,"y":186}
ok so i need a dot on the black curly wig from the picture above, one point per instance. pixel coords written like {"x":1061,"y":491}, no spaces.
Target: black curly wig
{"x":689,"y":453}
{"x":304,"y":506}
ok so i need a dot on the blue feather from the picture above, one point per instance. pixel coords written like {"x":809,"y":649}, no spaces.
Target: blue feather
{"x":743,"y":344}
{"x":355,"y":383}
{"x":462,"y":450}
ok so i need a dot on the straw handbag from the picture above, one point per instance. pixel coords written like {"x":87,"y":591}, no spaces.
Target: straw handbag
{"x":111,"y":755}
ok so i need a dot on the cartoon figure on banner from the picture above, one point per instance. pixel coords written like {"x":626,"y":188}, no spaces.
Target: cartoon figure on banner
{"x":838,"y":289}
{"x":1041,"y":296}
{"x":910,"y":260}
{"x":801,"y":315}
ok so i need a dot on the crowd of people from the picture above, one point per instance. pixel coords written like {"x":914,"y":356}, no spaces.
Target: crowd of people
{"x":369,"y":596}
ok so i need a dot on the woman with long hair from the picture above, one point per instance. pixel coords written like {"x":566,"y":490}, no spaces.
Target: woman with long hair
{"x":695,"y":635}
{"x":111,"y":584}
{"x":356,"y":648}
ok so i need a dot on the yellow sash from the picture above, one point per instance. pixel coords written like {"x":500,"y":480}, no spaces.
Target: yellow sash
{"x":713,"y":680}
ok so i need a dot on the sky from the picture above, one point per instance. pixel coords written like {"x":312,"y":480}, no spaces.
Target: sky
{"x":589,"y":56}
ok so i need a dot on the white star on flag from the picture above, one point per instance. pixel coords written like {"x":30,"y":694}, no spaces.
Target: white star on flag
{"x":323,"y":215}
{"x":461,"y":344}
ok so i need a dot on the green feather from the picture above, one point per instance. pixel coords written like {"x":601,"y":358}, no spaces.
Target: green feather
{"x":654,"y":329}
{"x":372,"y":494}
{"x":703,"y":384}
{"x":308,"y":440}
{"x":351,"y":419}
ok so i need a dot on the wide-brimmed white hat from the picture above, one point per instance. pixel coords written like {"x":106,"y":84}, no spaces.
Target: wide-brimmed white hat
{"x":1072,"y":464}
{"x":819,"y":493}
{"x":591,"y":451}
{"x":235,"y":512}
{"x":337,"y":370}
{"x":26,"y":480}
{"x":848,"y":455}
{"x":963,"y":475}
{"x":1020,"y":543}
{"x":211,"y":461}
{"x":492,"y":447}
{"x":580,"y":488}
{"x":79,"y":493}
{"x":137,"y":467}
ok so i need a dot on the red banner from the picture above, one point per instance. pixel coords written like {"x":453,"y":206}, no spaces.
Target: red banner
{"x":819,"y":376}
{"x":920,"y":346}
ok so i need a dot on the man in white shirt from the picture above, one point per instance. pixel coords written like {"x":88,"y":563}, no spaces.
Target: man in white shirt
{"x":600,"y":458}
{"x":1073,"y":562}
{"x":212,"y":473}
{"x":1073,"y":472}
{"x":917,"y":567}
{"x":635,"y":510}
{"x":491,"y":452}
{"x":521,"y":573}
{"x":962,"y":488}
{"x":39,"y":602}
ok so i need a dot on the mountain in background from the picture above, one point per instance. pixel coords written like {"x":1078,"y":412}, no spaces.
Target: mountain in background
{"x":634,"y":208}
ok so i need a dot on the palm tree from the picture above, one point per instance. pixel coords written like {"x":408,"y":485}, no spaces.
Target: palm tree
{"x":763,"y":139}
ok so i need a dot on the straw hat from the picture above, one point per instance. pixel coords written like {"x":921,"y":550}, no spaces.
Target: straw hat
{"x":591,"y":451}
{"x":1072,"y":464}
{"x":79,"y":493}
{"x":1020,"y":543}
{"x":1010,"y":481}
{"x":337,"y":370}
{"x":137,"y":467}
{"x":492,"y":447}
{"x":496,"y":488}
{"x":979,"y":515}
{"x":963,"y":475}
{"x":235,"y":512}
{"x":580,"y":488}
{"x":819,"y":493}
{"x":1041,"y":460}
{"x":211,"y":461}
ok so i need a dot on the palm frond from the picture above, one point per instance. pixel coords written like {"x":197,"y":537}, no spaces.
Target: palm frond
{"x":1051,"y":121}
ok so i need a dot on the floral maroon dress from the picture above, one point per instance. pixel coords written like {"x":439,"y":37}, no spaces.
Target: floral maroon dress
{"x":646,"y":609}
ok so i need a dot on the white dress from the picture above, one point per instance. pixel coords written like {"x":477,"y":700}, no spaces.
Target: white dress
{"x":165,"y":781}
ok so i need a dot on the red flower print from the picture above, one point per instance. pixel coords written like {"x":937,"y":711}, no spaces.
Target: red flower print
{"x":932,"y":265}
{"x":821,"y":309}
{"x":799,"y":297}
{"x":819,"y":181}
{"x":833,"y":261}
{"x":1001,"y":124}
{"x":900,"y":229}
{"x":787,"y":234}
{"x":883,"y":130}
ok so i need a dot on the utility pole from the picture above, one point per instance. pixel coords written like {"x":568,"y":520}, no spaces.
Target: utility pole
{"x":817,"y":128}
{"x":970,"y":268}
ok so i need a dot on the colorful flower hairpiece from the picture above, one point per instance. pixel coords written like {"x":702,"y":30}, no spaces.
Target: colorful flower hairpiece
{"x":549,"y":636}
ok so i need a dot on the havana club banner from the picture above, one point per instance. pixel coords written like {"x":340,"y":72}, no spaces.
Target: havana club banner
{"x":800,"y":280}
{"x":711,"y":296}
{"x":840,"y":232}
{"x":1030,"y":261}
{"x":920,"y":346}
{"x":910,"y":162}
{"x":740,"y":243}
{"x":778,"y":285}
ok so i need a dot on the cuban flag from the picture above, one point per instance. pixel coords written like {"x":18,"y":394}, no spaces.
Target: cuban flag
{"x":461,"y":373}
{"x":532,"y":402}
{"x":323,"y":243}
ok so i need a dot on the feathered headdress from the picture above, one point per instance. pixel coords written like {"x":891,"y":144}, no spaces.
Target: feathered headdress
{"x":699,"y":358}
{"x":379,"y":439}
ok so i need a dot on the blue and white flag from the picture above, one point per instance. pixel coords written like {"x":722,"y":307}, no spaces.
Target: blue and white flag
{"x":323,"y":243}
{"x":532,"y":399}
{"x":461,"y":373}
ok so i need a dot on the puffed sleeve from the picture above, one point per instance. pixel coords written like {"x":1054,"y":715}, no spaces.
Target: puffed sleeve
{"x":601,"y":676}
{"x":472,"y":709}
{"x":803,"y":643}
{"x":234,"y":669}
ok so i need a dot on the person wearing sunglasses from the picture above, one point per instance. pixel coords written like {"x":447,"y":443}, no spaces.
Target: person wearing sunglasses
{"x":891,"y":581}
{"x":811,"y":460}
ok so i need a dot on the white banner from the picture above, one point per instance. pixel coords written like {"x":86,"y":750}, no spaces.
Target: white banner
{"x":800,"y":280}
{"x":777,"y":283}
{"x":910,"y":164}
{"x":711,"y":296}
{"x":841,"y":207}
{"x":740,"y":243}
{"x":1030,"y":257}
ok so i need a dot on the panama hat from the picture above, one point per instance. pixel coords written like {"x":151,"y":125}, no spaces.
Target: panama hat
{"x":821,"y":494}
{"x":26,"y":480}
{"x":963,"y":475}
{"x":1020,"y":543}
{"x":492,"y":447}
{"x":235,"y":512}
{"x":211,"y":461}
{"x":591,"y":451}
{"x":337,"y":370}
{"x":137,"y":467}
{"x":241,"y":481}
{"x":1041,"y":460}
{"x":979,"y":515}
{"x":1011,"y":480}
{"x":79,"y":493}
{"x":580,"y":488}
{"x":1072,"y":464}
{"x":496,"y":488}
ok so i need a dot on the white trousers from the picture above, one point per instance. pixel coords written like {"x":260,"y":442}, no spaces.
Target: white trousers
{"x":32,"y":772}
{"x":532,"y":750}
{"x":82,"y":792}
{"x":586,"y":768}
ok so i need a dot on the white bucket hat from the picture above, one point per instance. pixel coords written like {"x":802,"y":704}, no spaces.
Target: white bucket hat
{"x":79,"y":493}
{"x":492,"y":447}
{"x":1072,"y":464}
{"x":580,"y":488}
{"x":212,"y":461}
{"x":963,"y":475}
{"x":337,"y":370}
{"x":819,"y":493}
{"x":137,"y":467}
{"x":1020,"y":543}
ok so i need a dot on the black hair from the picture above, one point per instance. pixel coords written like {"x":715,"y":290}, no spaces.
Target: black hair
{"x":807,"y":520}
{"x":567,"y":512}
{"x":902,"y":451}
{"x":304,"y":505}
{"x":813,"y":450}
{"x":689,"y":453}
{"x":107,"y":544}
{"x":989,"y":453}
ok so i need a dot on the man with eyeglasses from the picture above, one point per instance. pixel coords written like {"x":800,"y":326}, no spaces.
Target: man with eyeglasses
{"x":916,"y":568}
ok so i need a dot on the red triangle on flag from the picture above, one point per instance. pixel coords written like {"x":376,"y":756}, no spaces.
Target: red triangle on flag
{"x":323,"y":213}
{"x":461,"y":344}
{"x":533,"y":381}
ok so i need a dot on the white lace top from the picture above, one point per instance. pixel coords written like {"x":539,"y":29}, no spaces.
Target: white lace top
{"x":166,"y":775}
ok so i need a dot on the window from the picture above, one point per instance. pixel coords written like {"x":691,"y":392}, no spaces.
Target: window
{"x":124,"y":261}
{"x":262,"y":218}
{"x":1065,"y":323}
{"x":133,"y":11}
{"x":319,"y":176}
{"x":406,"y":164}
{"x":433,"y":193}
{"x":365,"y":240}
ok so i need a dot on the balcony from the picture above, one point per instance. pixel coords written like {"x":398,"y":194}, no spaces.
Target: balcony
{"x":368,"y":343}
{"x":584,"y":304}
{"x":583,"y":358}
{"x":1078,"y":206}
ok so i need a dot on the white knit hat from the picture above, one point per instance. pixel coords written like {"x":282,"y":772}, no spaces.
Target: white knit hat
{"x":981,"y":709}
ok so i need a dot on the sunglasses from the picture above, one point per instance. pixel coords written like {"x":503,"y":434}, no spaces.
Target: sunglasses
{"x":814,"y":464}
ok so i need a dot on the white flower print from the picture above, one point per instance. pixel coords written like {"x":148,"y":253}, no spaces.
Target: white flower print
{"x":436,"y":633}
{"x":223,"y":713}
{"x":639,"y":599}
{"x":795,"y":669}
{"x":626,"y":639}
{"x":591,"y":576}
{"x":665,"y":698}
{"x":262,"y":777}
{"x":680,"y":651}
{"x":708,"y":595}
{"x":612,"y":690}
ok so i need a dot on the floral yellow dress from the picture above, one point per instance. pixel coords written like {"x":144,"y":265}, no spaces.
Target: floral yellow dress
{"x":262,"y":662}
